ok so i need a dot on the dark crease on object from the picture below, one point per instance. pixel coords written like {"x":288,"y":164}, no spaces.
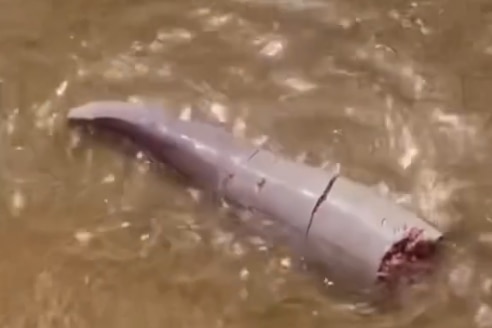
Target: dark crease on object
{"x":320,"y":200}
{"x":224,"y":182}
{"x":253,"y":154}
{"x":260,"y":184}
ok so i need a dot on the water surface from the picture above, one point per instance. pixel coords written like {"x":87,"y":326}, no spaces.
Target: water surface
{"x":395,"y":92}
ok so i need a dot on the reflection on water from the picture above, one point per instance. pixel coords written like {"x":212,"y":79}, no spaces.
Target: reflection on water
{"x":395,"y":92}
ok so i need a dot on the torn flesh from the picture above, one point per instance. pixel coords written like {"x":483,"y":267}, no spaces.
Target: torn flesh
{"x":408,"y":259}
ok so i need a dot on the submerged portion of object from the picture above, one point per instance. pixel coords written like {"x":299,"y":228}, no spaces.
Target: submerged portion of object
{"x":357,"y":235}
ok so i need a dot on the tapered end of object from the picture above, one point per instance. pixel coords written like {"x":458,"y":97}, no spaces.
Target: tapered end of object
{"x":200,"y":151}
{"x":146,"y":126}
{"x":134,"y":114}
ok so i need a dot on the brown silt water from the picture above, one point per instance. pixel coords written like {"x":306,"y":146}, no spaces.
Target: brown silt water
{"x":397,"y":93}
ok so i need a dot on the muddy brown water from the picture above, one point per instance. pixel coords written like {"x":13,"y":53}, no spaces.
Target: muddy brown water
{"x":397,"y":93}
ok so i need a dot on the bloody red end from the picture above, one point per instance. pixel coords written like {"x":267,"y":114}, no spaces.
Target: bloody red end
{"x":408,"y":260}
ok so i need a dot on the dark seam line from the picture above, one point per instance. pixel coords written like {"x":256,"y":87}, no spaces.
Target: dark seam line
{"x":320,"y":200}
{"x":222,"y":184}
{"x":253,"y":154}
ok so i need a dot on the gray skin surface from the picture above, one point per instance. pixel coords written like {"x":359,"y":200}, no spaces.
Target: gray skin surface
{"x":330,"y":220}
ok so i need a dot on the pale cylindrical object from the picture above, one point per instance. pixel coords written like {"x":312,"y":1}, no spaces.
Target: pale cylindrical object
{"x":357,"y":235}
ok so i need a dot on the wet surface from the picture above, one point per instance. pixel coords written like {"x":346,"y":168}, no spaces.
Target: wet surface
{"x":396,"y":92}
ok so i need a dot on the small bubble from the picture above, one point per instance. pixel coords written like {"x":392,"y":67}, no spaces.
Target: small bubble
{"x":267,"y":223}
{"x":483,"y":316}
{"x":328,"y":282}
{"x":219,"y":111}
{"x":134,"y":99}
{"x":408,"y":157}
{"x":137,"y":46}
{"x":224,"y":204}
{"x":110,"y":178}
{"x":263,"y":248}
{"x":349,"y":111}
{"x":174,"y":35}
{"x":221,"y":238}
{"x":345,"y":23}
{"x":273,"y":48}
{"x":83,"y":237}
{"x":299,"y":84}
{"x":394,"y":14}
{"x":10,"y":127}
{"x":260,"y":141}
{"x":195,"y":194}
{"x":81,"y":72}
{"x":244,"y":274}
{"x":18,"y":202}
{"x":185,"y":114}
{"x":60,"y":91}
{"x":286,"y":262}
{"x":218,"y":21}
